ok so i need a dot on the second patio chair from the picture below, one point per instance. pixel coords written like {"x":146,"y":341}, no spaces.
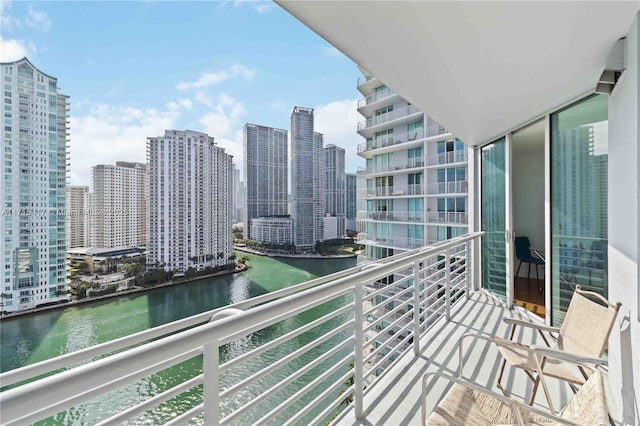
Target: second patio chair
{"x":583,"y":335}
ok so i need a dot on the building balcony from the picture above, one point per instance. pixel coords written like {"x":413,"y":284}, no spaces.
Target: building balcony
{"x":450,"y":157}
{"x":366,"y":85}
{"x":374,"y":350}
{"x":400,"y":166}
{"x":399,"y":116}
{"x":451,"y":218}
{"x":437,"y":188}
{"x":390,"y":241}
{"x":391,"y":191}
{"x":392,"y":216}
{"x":368,"y":105}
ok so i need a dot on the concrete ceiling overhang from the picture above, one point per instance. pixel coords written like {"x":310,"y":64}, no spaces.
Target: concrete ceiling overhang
{"x":478,"y":68}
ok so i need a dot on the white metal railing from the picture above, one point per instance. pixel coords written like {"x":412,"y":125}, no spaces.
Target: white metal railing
{"x":461,"y":218}
{"x":455,"y":187}
{"x":391,"y":241}
{"x":391,"y":191}
{"x":458,"y":156}
{"x":375,"y":97}
{"x":388,"y":116}
{"x":392,"y":216}
{"x":379,"y":310}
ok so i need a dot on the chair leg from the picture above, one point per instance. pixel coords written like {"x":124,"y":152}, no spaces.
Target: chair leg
{"x":529,"y":273}
{"x":498,"y":383}
{"x":536,"y":382}
{"x":519,"y":265}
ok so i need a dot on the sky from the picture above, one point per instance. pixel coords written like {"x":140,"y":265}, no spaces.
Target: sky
{"x":135,"y":69}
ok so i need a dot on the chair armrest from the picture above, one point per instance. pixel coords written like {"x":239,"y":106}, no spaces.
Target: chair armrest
{"x":568,"y":356}
{"x":540,"y":327}
{"x":516,"y":406}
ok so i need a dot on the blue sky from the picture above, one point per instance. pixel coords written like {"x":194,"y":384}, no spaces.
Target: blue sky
{"x":134,"y":69}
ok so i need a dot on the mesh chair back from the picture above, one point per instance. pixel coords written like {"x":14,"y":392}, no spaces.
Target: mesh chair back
{"x":586,"y":326}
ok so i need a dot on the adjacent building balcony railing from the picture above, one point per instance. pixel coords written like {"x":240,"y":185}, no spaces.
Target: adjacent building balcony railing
{"x":457,"y":218}
{"x":390,"y":241}
{"x":391,"y":191}
{"x":388,"y":116}
{"x":393,"y":216}
{"x":458,"y":187}
{"x":310,"y":374}
{"x":410,"y":163}
{"x":377,"y":96}
{"x":447,"y":158}
{"x":403,"y":137}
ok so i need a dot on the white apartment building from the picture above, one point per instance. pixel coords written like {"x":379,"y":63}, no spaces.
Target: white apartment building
{"x":190,"y":218}
{"x":334,"y":190}
{"x":119,"y":205}
{"x":414,"y":187}
{"x":78,"y":217}
{"x":307,"y":179}
{"x":34,"y":171}
{"x":272,"y":230}
{"x":265,"y":174}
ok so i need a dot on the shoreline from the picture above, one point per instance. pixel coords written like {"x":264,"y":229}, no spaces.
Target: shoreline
{"x":294,"y":256}
{"x":136,"y":290}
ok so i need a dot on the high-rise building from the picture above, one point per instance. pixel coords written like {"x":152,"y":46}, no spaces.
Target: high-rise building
{"x":414,"y":185}
{"x":265,"y":173}
{"x":190,"y":184}
{"x":119,"y":205}
{"x":33,"y":195}
{"x":307,"y":186}
{"x":334,"y":189}
{"x":78,"y":217}
{"x":351,"y":195}
{"x":237,"y":194}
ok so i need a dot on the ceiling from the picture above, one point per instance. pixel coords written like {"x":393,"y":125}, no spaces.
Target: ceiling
{"x":478,"y":68}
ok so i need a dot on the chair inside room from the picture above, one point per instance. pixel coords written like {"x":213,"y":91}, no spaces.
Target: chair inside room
{"x":523,"y":254}
{"x":582,"y":336}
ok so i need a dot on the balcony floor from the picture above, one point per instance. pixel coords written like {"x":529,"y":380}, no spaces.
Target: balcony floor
{"x":396,"y":399}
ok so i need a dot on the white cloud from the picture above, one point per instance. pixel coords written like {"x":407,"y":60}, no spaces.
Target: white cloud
{"x":207,"y":79}
{"x":225,"y":123}
{"x":8,"y":22}
{"x":112,"y":133}
{"x":12,"y":49}
{"x":264,"y":7}
{"x":338,"y":122}
{"x":37,"y":19}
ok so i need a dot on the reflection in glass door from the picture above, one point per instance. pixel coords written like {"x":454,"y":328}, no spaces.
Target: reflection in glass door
{"x":493,"y":218}
{"x":579,"y":162}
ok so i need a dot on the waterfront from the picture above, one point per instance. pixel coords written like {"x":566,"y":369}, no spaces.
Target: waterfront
{"x":34,"y":338}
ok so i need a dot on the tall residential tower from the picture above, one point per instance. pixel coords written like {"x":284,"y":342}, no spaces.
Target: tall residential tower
{"x":334,"y":189}
{"x":78,"y":216}
{"x":119,"y":205}
{"x":190,"y":184}
{"x":33,"y":195}
{"x":265,"y":173}
{"x":307,"y":180}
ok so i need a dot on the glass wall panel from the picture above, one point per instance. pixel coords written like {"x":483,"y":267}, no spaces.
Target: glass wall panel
{"x":493,"y":220}
{"x":579,"y":158}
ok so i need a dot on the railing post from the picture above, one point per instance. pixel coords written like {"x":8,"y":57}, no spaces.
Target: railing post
{"x":211,"y":378}
{"x":468,"y":269}
{"x":447,"y":282}
{"x":416,"y":307}
{"x":358,"y":356}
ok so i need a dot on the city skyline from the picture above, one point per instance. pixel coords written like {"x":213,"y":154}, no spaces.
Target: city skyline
{"x":123,"y":88}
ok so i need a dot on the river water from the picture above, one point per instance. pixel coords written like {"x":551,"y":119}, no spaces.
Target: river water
{"x":45,"y":335}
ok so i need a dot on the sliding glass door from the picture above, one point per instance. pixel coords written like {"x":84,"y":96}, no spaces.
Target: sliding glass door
{"x":493,"y":218}
{"x":579,"y":161}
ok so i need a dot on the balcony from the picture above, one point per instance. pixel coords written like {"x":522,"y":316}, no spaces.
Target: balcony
{"x":399,"y":166}
{"x":391,"y":191}
{"x":377,"y":349}
{"x":390,"y":241}
{"x":447,"y":158}
{"x":369,"y":104}
{"x":458,"y":187}
{"x":409,"y":139}
{"x":399,"y":116}
{"x":452,"y":218}
{"x":392,"y":216}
